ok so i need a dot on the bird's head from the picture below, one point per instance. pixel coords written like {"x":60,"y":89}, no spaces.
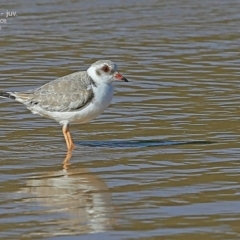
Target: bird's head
{"x":105,"y":71}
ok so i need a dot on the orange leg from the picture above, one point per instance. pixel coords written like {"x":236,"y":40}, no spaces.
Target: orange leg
{"x":67,"y":137}
{"x":71,"y":144}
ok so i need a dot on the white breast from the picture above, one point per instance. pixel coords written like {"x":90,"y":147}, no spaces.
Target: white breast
{"x":103,"y":94}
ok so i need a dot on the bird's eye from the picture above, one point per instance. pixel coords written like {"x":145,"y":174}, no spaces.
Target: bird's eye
{"x":105,"y":68}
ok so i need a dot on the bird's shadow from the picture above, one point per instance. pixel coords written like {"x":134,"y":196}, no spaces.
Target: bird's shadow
{"x":136,"y":143}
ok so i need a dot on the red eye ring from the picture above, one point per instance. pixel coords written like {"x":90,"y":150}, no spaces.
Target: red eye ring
{"x":105,"y":68}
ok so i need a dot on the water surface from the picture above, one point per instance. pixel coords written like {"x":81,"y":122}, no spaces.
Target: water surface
{"x":163,"y":161}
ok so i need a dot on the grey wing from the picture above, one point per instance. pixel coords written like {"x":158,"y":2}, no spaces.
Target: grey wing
{"x":67,"y":93}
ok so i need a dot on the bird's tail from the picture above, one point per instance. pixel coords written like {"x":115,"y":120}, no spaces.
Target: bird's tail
{"x":7,"y":95}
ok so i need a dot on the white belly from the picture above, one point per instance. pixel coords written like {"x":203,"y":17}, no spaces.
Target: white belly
{"x":102,"y":98}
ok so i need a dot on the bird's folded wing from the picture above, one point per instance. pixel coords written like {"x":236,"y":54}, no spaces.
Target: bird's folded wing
{"x":67,"y":93}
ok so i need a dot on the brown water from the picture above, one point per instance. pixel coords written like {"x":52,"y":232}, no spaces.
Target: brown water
{"x":163,"y":162}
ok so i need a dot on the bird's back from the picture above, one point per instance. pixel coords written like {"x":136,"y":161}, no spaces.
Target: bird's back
{"x":66,"y":93}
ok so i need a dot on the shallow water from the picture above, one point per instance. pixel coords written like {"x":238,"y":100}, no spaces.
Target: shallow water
{"x":163,"y":161}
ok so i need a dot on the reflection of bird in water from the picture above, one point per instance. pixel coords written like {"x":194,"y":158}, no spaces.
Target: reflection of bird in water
{"x":78,"y":97}
{"x":77,"y":201}
{"x":66,"y":161}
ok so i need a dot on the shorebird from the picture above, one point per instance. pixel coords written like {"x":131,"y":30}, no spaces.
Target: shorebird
{"x":75,"y":98}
